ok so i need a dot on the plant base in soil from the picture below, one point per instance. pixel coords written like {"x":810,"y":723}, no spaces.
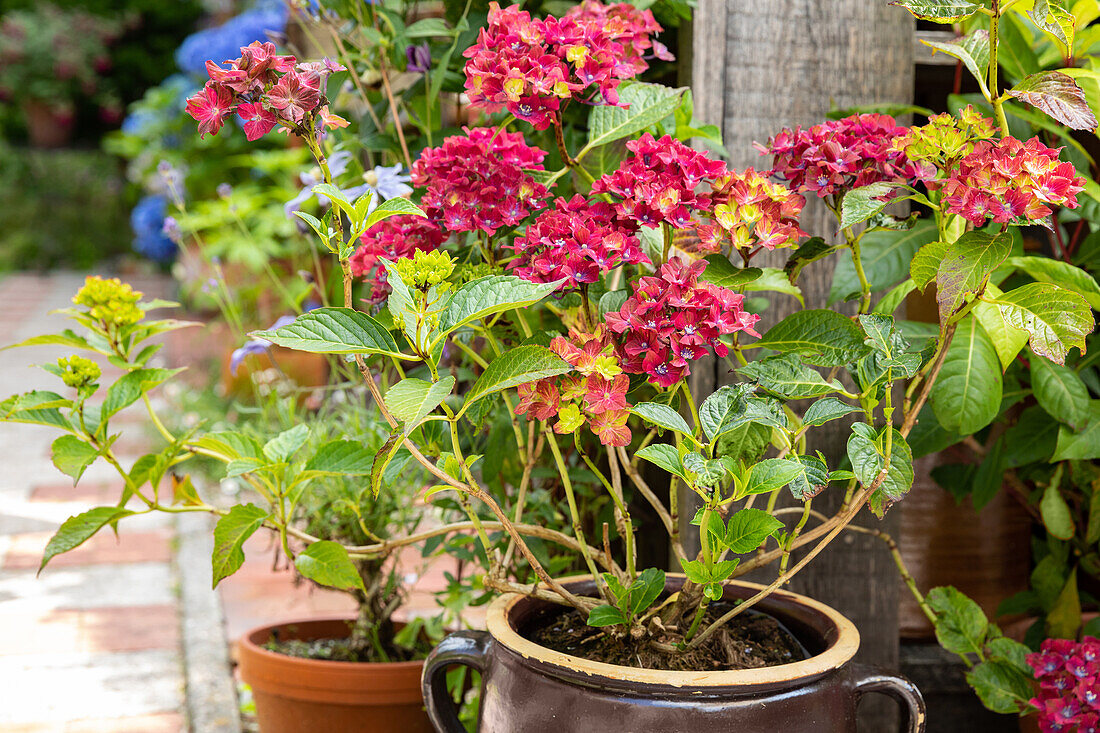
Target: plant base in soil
{"x":749,"y":641}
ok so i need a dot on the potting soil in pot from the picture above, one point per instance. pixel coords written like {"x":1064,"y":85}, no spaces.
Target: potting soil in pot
{"x":748,"y":641}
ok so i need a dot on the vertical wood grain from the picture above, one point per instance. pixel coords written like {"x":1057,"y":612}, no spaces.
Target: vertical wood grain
{"x":757,"y":67}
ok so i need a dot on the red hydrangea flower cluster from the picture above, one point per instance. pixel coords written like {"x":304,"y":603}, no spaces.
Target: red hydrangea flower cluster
{"x":575,"y":240}
{"x":1008,"y":180}
{"x":657,"y":183}
{"x":633,"y":29}
{"x":595,"y":393}
{"x":751,"y":211}
{"x":1069,"y":685}
{"x":477,"y":181}
{"x":530,"y":66}
{"x":264,"y":88}
{"x":838,"y":155}
{"x":395,"y":238}
{"x":672,"y":319}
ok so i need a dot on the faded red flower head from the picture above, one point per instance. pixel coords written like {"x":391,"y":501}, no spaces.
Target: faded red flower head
{"x":838,"y":155}
{"x":593,"y":393}
{"x":672,"y":319}
{"x":658,"y":182}
{"x":575,"y":240}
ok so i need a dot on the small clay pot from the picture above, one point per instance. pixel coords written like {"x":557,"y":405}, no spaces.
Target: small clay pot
{"x":47,"y":127}
{"x":295,"y":695}
{"x":527,"y":687}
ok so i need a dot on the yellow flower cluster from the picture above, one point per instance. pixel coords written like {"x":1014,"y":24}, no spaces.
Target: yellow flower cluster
{"x":946,"y":138}
{"x":111,"y":301}
{"x":77,"y":372}
{"x":425,"y":269}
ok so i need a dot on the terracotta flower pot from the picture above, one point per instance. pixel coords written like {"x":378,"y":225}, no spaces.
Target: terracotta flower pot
{"x":295,"y":695}
{"x":529,"y":687}
{"x":47,"y":127}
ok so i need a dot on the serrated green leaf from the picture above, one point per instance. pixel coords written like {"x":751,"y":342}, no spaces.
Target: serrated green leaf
{"x":643,"y":105}
{"x":236,"y":526}
{"x":811,"y":479}
{"x":336,"y":196}
{"x":128,"y":388}
{"x":1060,"y":392}
{"x":960,"y":623}
{"x":1007,"y":340}
{"x":1056,"y":272}
{"x":973,"y":50}
{"x":72,"y":456}
{"x":1056,"y":515}
{"x":867,"y":453}
{"x":747,"y":528}
{"x":605,"y":616}
{"x":1083,"y":445}
{"x":1059,"y":96}
{"x":811,"y":250}
{"x":1000,"y":687}
{"x":1055,"y":319}
{"x":967,"y":394}
{"x":771,"y":474}
{"x":939,"y":11}
{"x":966,"y":267}
{"x":649,"y":584}
{"x":487,"y":296}
{"x":926,"y":262}
{"x":1052,"y":17}
{"x":773,"y":280}
{"x":821,"y":337}
{"x":411,"y":400}
{"x":36,"y":408}
{"x":516,"y":366}
{"x":721,"y":272}
{"x":75,"y":530}
{"x":231,"y":445}
{"x":665,"y":456}
{"x":786,"y":376}
{"x":334,"y":331}
{"x":327,"y":563}
{"x":826,"y":409}
{"x":662,"y":416}
{"x":860,"y":204}
{"x":286,"y":444}
{"x":339,"y":458}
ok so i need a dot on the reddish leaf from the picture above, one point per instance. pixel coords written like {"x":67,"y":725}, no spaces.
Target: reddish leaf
{"x":1059,"y":96}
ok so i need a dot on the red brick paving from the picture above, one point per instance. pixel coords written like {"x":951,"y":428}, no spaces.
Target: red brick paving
{"x":122,"y":629}
{"x":92,"y":494}
{"x":25,"y":550}
{"x":163,"y":723}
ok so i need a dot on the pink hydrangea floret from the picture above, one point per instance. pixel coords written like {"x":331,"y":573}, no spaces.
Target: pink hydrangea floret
{"x":1068,"y":673}
{"x":1010,"y":181}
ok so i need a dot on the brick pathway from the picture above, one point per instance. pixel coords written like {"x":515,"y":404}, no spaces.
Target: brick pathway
{"x":93,"y":644}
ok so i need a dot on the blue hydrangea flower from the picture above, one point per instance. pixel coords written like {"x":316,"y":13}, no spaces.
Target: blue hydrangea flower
{"x":147,"y":221}
{"x":224,"y":42}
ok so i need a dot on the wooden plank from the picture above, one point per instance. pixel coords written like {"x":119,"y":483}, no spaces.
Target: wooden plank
{"x":785,"y":63}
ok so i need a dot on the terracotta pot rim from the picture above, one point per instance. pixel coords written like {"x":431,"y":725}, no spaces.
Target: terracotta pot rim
{"x":306,"y":663}
{"x":836,"y":655}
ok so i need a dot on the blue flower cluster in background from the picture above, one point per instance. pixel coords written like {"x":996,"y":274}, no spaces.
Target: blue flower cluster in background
{"x":224,"y":42}
{"x":147,"y":221}
{"x":160,"y":108}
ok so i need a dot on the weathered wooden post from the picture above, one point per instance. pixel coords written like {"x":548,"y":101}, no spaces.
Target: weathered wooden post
{"x":757,"y":67}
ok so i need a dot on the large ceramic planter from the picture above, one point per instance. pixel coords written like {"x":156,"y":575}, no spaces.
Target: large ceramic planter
{"x":295,"y":695}
{"x":47,"y":127}
{"x":526,"y":687}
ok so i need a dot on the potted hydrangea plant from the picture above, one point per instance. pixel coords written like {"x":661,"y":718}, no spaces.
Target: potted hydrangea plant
{"x":547,"y":286}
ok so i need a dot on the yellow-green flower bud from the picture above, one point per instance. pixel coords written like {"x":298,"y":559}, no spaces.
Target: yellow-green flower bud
{"x":77,"y":372}
{"x":111,"y":301}
{"x":425,"y":269}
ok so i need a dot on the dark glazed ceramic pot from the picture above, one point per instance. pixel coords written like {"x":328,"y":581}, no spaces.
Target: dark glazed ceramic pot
{"x":526,"y":687}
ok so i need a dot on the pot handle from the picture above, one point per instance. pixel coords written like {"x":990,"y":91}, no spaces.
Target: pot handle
{"x":469,"y":648}
{"x":872,"y":679}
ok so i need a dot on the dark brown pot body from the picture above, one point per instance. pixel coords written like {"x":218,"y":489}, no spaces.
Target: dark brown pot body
{"x":296,"y":695}
{"x":526,"y":687}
